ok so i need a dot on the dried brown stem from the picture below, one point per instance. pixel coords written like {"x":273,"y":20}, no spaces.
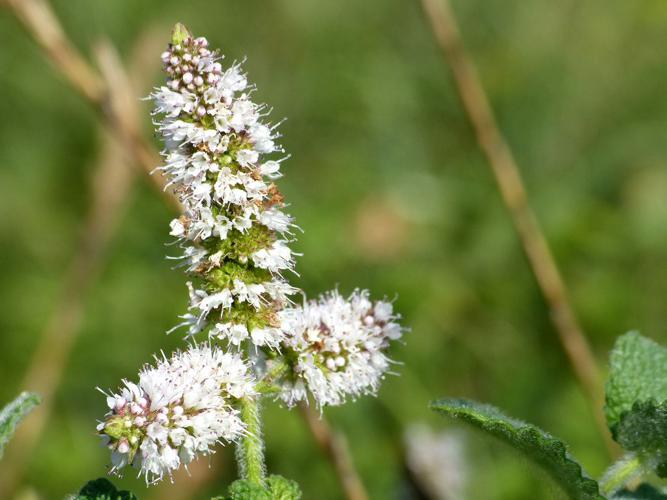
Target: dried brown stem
{"x":41,"y":23}
{"x":110,"y":191}
{"x":111,"y":188}
{"x":334,"y":446}
{"x":501,"y":160}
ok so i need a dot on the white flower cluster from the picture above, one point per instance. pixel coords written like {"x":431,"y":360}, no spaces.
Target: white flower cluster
{"x":339,"y":347}
{"x":233,"y":231}
{"x":179,"y":409}
{"x":235,"y":241}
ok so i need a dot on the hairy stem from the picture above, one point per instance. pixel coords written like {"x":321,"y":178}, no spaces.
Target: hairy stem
{"x":619,"y":474}
{"x":250,"y":451}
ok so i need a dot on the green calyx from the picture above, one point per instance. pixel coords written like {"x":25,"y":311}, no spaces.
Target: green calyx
{"x":239,"y":244}
{"x":117,"y":429}
{"x":230,"y":271}
{"x":245,"y":314}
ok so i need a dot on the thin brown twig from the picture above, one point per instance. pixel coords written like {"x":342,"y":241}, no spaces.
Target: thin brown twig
{"x":334,"y":445}
{"x":501,"y":160}
{"x":111,"y":188}
{"x":109,"y":194}
{"x":41,"y":23}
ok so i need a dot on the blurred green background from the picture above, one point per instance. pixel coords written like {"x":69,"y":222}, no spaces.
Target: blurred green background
{"x":393,"y":195}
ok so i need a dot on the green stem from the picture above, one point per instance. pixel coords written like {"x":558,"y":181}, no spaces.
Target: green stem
{"x":619,"y":474}
{"x":267,"y":384}
{"x":250,"y":451}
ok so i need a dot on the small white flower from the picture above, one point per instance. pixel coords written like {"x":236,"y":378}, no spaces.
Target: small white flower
{"x":275,"y":258}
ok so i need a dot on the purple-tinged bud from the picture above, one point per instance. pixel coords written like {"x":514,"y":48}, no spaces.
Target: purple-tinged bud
{"x":123,"y":446}
{"x":187,"y":78}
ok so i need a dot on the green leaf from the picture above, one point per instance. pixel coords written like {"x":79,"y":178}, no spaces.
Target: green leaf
{"x":13,"y":413}
{"x":636,"y":397}
{"x":643,"y":430}
{"x":547,"y":451}
{"x":102,"y":489}
{"x":243,"y":489}
{"x":277,"y":488}
{"x":283,"y":489}
{"x":644,"y":492}
{"x":638,"y":372}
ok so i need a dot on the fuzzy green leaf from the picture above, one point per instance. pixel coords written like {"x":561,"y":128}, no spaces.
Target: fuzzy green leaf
{"x":283,"y":489}
{"x":643,"y":430}
{"x":644,"y":492}
{"x":542,"y":448}
{"x":277,"y":488}
{"x":102,"y":489}
{"x":242,"y":489}
{"x":638,"y":372}
{"x":13,"y":413}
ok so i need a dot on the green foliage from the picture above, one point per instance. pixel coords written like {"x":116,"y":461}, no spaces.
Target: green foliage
{"x":644,"y":492}
{"x":638,"y":373}
{"x":278,"y":488}
{"x":102,"y":489}
{"x":536,"y":444}
{"x":283,"y":489}
{"x":636,"y":396}
{"x":643,"y":430}
{"x":13,"y":413}
{"x":243,"y":489}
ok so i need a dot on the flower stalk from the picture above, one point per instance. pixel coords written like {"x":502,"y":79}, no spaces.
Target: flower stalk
{"x":621,"y":473}
{"x":250,"y":450}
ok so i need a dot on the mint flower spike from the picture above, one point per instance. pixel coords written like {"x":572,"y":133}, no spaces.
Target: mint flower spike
{"x":335,"y":348}
{"x":178,"y":410}
{"x":233,"y":231}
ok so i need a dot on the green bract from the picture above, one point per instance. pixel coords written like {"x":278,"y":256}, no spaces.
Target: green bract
{"x":542,"y":448}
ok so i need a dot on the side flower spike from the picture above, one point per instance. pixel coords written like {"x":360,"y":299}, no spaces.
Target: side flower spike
{"x":335,"y":347}
{"x":178,"y":410}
